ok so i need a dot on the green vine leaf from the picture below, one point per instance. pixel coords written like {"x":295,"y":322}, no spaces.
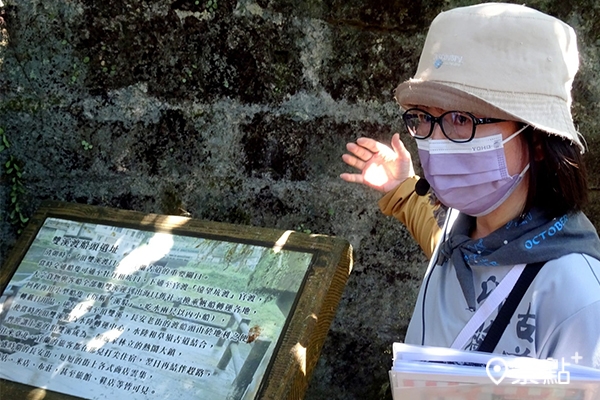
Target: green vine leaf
{"x":13,"y":169}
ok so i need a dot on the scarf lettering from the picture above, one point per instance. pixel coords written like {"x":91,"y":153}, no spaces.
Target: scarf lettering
{"x":551,"y":231}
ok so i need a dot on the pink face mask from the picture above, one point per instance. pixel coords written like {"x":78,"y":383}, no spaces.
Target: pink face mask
{"x":471,"y":177}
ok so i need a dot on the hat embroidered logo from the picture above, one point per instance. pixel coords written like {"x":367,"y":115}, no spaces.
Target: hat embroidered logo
{"x":447,"y":59}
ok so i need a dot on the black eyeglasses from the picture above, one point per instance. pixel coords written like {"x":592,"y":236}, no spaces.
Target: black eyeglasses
{"x":458,"y":126}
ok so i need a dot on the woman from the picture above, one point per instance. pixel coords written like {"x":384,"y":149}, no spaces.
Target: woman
{"x":489,"y":108}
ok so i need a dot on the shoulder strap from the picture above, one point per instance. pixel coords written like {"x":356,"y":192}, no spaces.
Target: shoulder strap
{"x":489,"y":306}
{"x":508,"y":308}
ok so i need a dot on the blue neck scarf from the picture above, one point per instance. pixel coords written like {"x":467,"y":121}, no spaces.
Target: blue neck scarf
{"x":535,"y":238}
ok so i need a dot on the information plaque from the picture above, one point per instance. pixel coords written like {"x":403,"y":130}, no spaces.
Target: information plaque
{"x":99,"y":303}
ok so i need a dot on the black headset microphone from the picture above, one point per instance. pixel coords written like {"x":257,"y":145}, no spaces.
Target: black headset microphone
{"x":422,"y":187}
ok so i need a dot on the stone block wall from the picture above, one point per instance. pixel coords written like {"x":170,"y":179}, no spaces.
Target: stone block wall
{"x":239,"y":111}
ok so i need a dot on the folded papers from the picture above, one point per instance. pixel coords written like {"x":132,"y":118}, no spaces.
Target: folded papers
{"x":432,"y":373}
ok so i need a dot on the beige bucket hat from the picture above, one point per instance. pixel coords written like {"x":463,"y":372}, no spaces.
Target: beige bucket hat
{"x":501,"y":61}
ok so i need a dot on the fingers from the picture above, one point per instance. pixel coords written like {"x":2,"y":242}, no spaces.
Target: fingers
{"x":381,"y":167}
{"x":353,"y":161}
{"x":352,"y":178}
{"x":359,"y":151}
{"x":368,"y":144}
{"x":398,"y":146}
{"x":365,"y":148}
{"x":404,"y":157}
{"x":376,"y":147}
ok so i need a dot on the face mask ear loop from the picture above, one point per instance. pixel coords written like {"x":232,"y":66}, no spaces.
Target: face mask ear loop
{"x":492,"y":208}
{"x":508,"y":139}
{"x":524,"y":170}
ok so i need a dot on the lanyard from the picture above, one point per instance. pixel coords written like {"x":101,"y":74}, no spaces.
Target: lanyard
{"x":490,"y":304}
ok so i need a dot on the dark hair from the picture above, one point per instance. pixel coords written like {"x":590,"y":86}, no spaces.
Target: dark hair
{"x":557,"y":175}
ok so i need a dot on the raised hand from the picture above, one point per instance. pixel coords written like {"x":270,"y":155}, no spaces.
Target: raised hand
{"x":381,"y":167}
